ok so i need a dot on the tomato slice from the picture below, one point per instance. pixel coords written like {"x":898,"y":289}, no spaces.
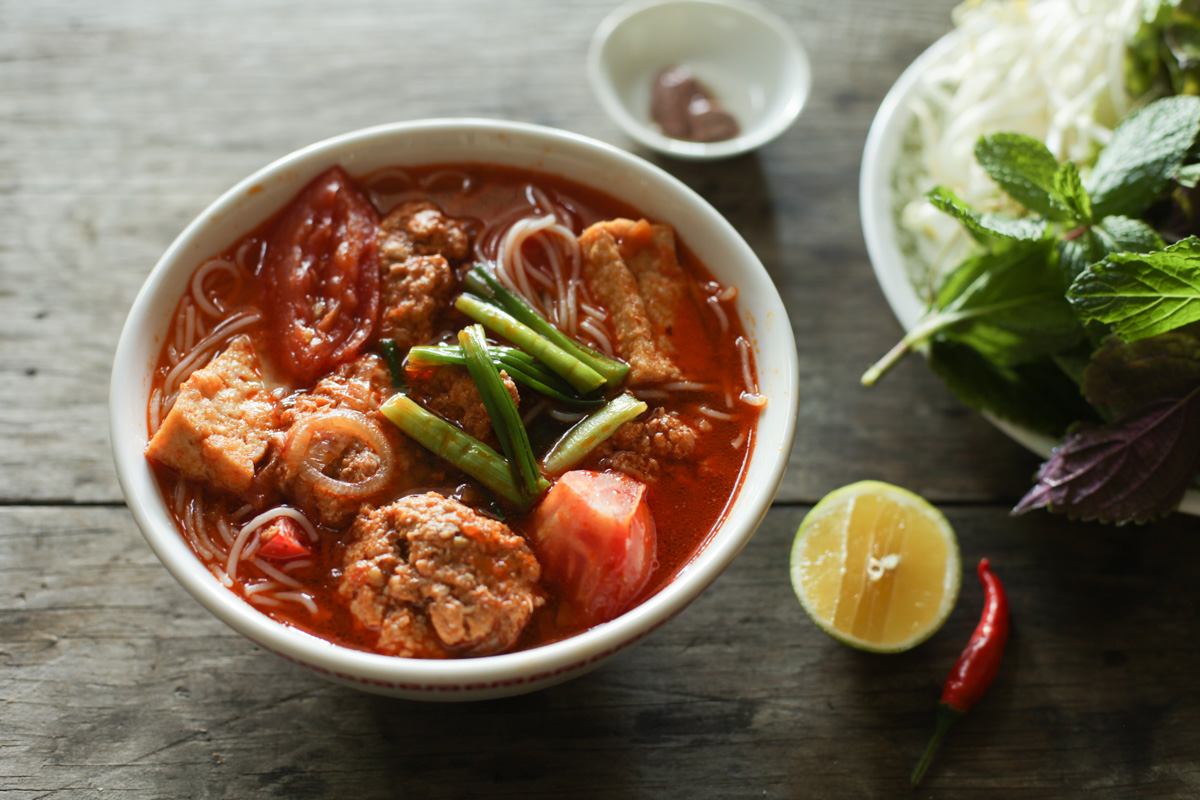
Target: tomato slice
{"x":596,"y":540}
{"x":321,"y":281}
{"x":282,"y":541}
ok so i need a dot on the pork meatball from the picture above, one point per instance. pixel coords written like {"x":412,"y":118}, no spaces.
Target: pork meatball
{"x":436,"y":579}
{"x":638,"y":448}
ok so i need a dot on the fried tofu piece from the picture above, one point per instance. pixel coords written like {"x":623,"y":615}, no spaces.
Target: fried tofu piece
{"x":632,"y":270}
{"x":217,"y":430}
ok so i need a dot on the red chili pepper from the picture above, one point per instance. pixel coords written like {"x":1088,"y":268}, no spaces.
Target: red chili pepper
{"x":975,"y":669}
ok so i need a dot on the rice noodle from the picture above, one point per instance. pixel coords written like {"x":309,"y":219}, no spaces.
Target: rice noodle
{"x":206,"y":348}
{"x":753,"y":399}
{"x":554,"y":288}
{"x":567,"y":416}
{"x":272,"y":572}
{"x":302,"y":598}
{"x":235,"y":552}
{"x":283,"y":511}
{"x":189,"y":335}
{"x":221,"y":576}
{"x":531,"y":414}
{"x":180,"y":327}
{"x":599,"y":337}
{"x":197,"y":525}
{"x":239,"y":257}
{"x":465,"y":181}
{"x":155,"y":401}
{"x":590,"y":310}
{"x":393,"y":174}
{"x":743,"y":347}
{"x":211,"y":305}
{"x":226,"y":532}
{"x":263,"y":600}
{"x":1052,"y":70}
{"x":714,"y":414}
{"x":714,"y":302}
{"x":687,"y":386}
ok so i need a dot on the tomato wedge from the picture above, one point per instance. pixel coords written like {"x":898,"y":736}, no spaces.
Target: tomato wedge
{"x":321,"y":277}
{"x":596,"y":540}
{"x":281,"y":541}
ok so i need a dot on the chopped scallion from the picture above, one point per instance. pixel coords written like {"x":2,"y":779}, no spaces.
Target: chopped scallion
{"x":506,"y":421}
{"x":522,"y":367}
{"x":463,"y":451}
{"x":568,"y":367}
{"x":590,"y":431}
{"x":613,"y":371}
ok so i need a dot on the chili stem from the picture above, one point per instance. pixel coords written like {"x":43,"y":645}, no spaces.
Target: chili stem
{"x":946,"y":717}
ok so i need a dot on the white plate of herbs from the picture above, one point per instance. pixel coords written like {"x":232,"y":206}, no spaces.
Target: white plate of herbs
{"x":1029,"y":205}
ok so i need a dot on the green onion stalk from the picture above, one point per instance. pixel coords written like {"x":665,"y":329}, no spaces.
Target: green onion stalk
{"x":484,"y":284}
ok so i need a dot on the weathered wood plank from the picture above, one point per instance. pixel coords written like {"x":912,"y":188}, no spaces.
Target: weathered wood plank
{"x":119,"y":127}
{"x":115,"y":680}
{"x":121,"y":121}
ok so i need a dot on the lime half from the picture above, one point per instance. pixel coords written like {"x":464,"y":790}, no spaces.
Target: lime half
{"x":876,"y":567}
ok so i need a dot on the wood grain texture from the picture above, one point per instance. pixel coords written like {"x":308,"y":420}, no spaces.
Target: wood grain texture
{"x":121,"y":121}
{"x":115,"y":680}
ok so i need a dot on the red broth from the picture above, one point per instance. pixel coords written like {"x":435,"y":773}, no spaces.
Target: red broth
{"x":688,"y":501}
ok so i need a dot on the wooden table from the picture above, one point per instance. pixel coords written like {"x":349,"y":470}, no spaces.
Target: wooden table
{"x":120,"y":121}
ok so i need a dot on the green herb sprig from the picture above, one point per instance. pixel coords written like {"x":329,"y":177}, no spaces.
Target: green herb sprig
{"x":1076,"y":318}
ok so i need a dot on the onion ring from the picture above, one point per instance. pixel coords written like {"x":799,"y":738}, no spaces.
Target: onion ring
{"x":312,"y":444}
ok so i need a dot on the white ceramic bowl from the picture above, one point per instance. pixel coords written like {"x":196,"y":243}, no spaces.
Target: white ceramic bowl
{"x":747,"y":56}
{"x":877,"y":203}
{"x":592,"y":163}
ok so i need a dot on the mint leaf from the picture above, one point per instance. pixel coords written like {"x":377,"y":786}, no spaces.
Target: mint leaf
{"x":980,"y":226}
{"x":1146,"y":150}
{"x":1142,"y":294}
{"x":1069,"y":193}
{"x":1008,"y":304}
{"x":1088,"y":246}
{"x":1188,"y":176}
{"x":1036,"y":395}
{"x":1122,"y":234}
{"x":1125,"y":376}
{"x":1135,"y":469}
{"x":1023,"y":167}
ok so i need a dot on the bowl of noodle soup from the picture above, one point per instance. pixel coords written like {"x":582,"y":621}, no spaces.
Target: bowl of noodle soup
{"x":165,"y":340}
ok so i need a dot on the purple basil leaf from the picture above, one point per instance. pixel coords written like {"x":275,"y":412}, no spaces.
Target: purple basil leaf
{"x":1135,"y":469}
{"x":1124,"y":376}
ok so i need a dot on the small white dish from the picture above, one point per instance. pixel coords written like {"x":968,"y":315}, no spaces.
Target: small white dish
{"x":877,"y":208}
{"x":748,"y":57}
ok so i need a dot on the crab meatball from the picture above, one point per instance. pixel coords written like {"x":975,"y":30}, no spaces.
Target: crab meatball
{"x":437,"y":579}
